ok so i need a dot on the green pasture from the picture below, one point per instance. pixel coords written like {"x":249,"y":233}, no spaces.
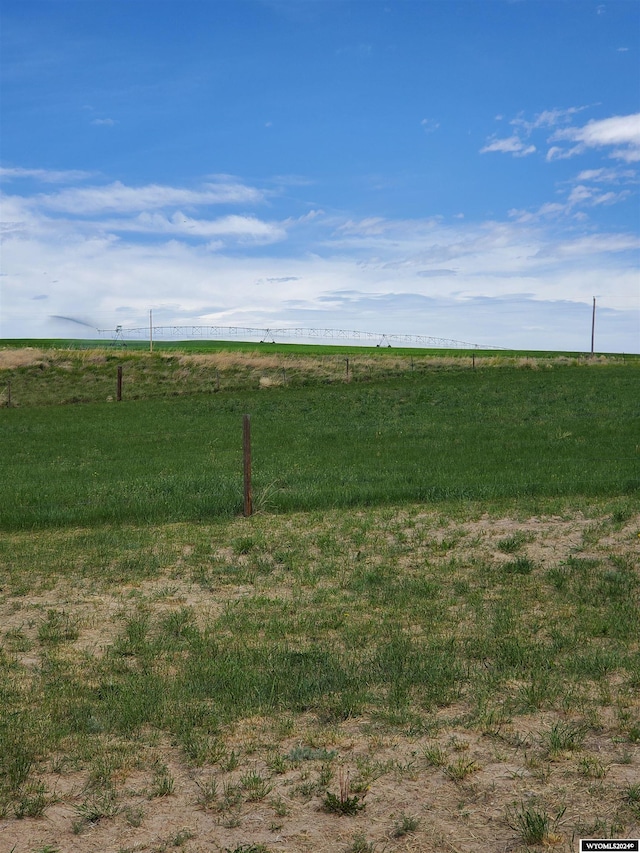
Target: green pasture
{"x":455,"y":435}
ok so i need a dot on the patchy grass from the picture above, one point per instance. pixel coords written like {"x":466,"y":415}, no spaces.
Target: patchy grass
{"x":246,"y":666}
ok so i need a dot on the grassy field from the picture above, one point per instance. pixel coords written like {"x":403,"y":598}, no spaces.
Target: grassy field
{"x":425,"y":640}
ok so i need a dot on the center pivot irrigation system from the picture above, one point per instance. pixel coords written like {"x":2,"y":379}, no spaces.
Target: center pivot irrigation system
{"x":222,"y":333}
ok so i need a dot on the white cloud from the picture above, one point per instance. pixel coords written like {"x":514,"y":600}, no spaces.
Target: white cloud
{"x":519,"y":143}
{"x":620,"y":131}
{"x":243,"y":228}
{"x":118,"y":197}
{"x":609,"y":176}
{"x":511,"y":145}
{"x":373,"y":273}
{"x":104,"y":122}
{"x":47,"y":176}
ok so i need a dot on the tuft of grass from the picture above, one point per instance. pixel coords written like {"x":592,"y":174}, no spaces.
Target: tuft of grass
{"x":248,"y":848}
{"x":162,"y":784}
{"x":563,"y":737}
{"x":591,"y":767}
{"x":460,"y":769}
{"x":255,"y":786}
{"x":435,"y":756}
{"x":519,"y":566}
{"x":32,"y":801}
{"x":95,"y":809}
{"x":531,"y":824}
{"x":208,"y":793}
{"x":632,"y":794}
{"x":534,"y":825}
{"x":360,"y":844}
{"x":404,"y":826}
{"x":58,"y":627}
{"x":513,"y":543}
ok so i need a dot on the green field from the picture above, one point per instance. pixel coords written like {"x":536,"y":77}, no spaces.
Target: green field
{"x":437,"y":599}
{"x":457,"y":434}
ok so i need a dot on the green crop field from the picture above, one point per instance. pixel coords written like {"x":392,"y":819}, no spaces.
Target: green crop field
{"x":426,"y":638}
{"x":460,"y":434}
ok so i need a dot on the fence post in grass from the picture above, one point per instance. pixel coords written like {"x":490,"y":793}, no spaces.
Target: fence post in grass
{"x":473,"y":360}
{"x":347,"y":370}
{"x":246,"y":452}
{"x":119,"y":387}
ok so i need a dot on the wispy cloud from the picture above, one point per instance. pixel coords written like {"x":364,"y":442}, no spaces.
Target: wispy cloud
{"x":429,"y":125}
{"x":519,"y":144}
{"x":118,"y":197}
{"x":46,"y":176}
{"x":104,"y":122}
{"x":510,"y":145}
{"x":241,"y":228}
{"x":619,"y":133}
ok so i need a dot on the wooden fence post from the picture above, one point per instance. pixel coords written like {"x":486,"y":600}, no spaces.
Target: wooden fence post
{"x":119,"y":388}
{"x":246,"y":452}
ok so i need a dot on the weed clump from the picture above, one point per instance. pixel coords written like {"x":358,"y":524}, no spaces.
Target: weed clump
{"x":342,"y":803}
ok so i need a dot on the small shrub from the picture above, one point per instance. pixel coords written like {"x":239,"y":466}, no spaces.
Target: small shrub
{"x":307,"y":753}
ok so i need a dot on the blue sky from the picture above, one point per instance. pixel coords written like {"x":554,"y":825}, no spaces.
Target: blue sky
{"x":464,"y":170}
